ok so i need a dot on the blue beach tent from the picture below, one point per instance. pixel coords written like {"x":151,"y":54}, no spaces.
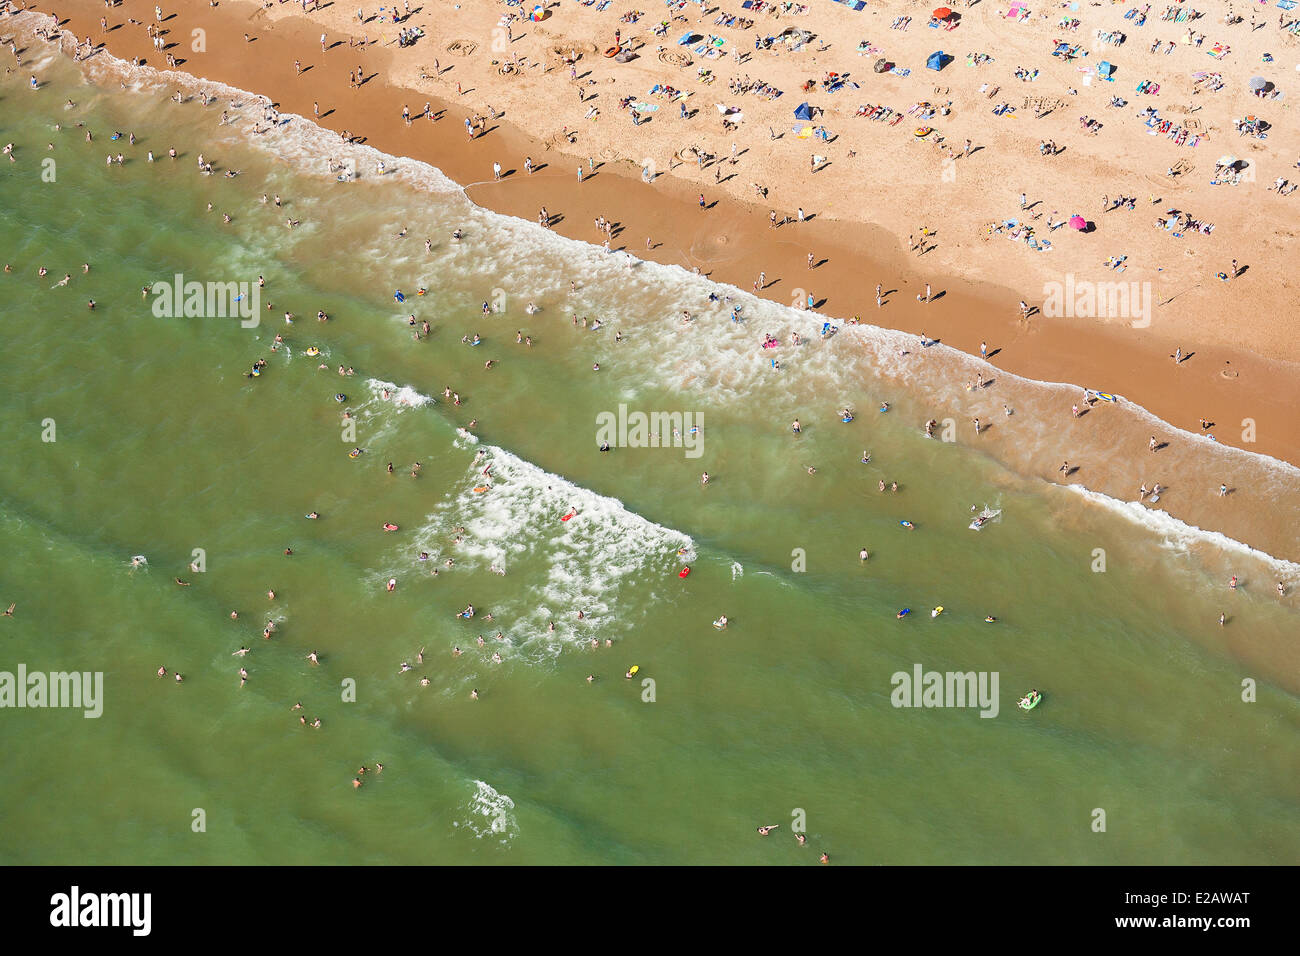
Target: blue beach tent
{"x":937,"y":60}
{"x":803,"y":112}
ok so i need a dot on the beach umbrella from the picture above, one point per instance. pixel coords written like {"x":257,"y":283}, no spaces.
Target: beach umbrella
{"x":1078,"y":222}
{"x":943,"y":13}
{"x":1258,"y":83}
{"x":1227,"y":161}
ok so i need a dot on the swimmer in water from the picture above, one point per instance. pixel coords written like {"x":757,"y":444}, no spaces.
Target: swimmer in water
{"x":866,"y":459}
{"x":863,"y":555}
{"x":764,"y":831}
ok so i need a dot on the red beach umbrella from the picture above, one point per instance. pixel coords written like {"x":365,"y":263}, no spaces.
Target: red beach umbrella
{"x":1078,"y":222}
{"x":943,"y":13}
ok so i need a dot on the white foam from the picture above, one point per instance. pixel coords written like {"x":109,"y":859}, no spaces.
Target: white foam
{"x":562,"y":566}
{"x":490,"y":814}
{"x":1176,"y":535}
{"x":401,"y":397}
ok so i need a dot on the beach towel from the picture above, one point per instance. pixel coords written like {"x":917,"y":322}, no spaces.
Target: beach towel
{"x":900,"y":71}
{"x":1286,"y":4}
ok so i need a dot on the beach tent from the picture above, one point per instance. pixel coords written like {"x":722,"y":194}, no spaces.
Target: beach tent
{"x":937,"y":60}
{"x":803,"y":111}
{"x":1105,"y":70}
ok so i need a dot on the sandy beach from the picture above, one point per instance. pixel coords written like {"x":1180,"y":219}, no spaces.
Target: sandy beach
{"x":879,"y":185}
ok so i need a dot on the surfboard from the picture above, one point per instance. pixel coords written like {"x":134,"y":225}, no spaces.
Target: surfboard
{"x":937,"y":611}
{"x":479,"y":489}
{"x":904,"y":612}
{"x":631,"y":671}
{"x":568,"y":516}
{"x":1106,"y":396}
{"x":684,"y":572}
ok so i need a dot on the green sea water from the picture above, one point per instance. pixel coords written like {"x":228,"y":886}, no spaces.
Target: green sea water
{"x":163,"y":447}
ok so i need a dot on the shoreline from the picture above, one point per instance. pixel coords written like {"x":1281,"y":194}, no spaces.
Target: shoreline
{"x":732,"y":241}
{"x":1268,"y":538}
